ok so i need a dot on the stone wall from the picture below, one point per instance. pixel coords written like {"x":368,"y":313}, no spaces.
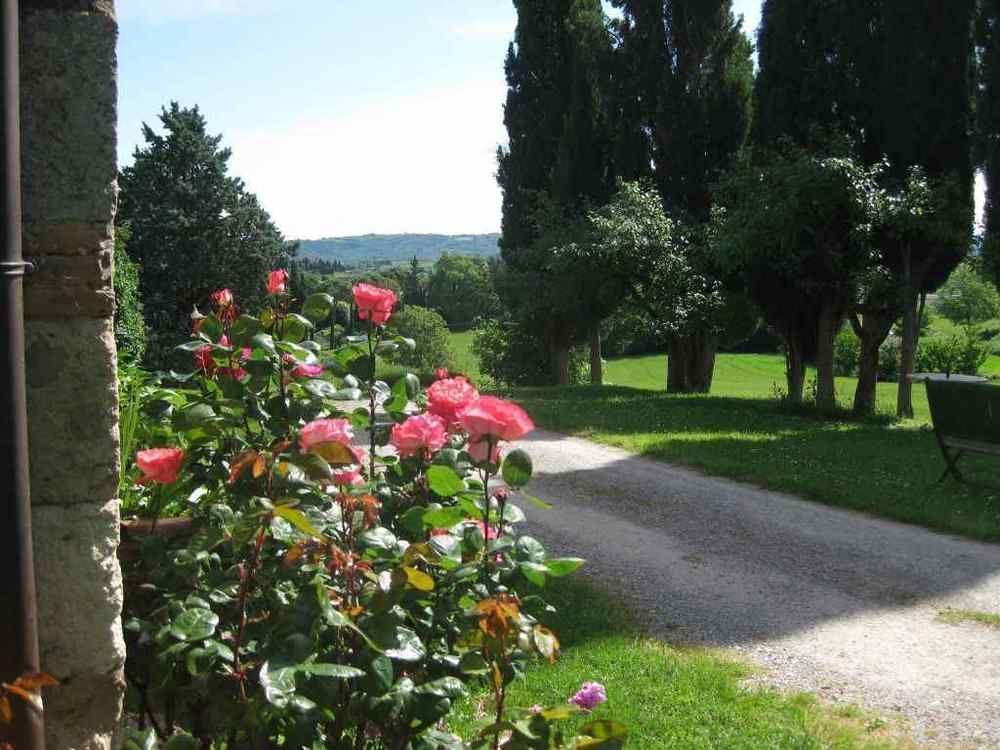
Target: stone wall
{"x":68,"y":123}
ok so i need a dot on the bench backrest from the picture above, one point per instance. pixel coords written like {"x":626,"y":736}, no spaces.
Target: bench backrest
{"x":968,"y":411}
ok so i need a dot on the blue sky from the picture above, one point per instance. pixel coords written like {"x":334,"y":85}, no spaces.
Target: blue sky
{"x":344,"y":117}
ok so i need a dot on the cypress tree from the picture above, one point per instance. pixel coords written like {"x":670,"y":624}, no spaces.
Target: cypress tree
{"x":988,"y":128}
{"x":556,"y":162}
{"x":688,"y":65}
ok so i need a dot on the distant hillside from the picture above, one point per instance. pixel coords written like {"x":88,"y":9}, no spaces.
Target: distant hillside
{"x":396,"y":248}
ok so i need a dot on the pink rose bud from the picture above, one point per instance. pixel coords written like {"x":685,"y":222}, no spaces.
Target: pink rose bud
{"x":374,"y":303}
{"x":159,"y":465}
{"x":307,"y":371}
{"x":420,"y":435}
{"x":276,"y":281}
{"x":222,"y":297}
{"x":348,"y":476}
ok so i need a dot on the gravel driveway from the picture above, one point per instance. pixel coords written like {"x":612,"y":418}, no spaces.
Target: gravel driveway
{"x":826,"y":600}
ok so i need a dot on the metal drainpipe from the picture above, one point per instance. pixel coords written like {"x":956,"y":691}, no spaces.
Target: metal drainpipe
{"x":18,"y":613}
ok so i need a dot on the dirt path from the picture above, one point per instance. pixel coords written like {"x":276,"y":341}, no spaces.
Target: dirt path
{"x":826,"y":600}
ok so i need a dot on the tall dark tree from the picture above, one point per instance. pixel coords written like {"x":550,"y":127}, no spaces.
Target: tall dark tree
{"x":194,"y":228}
{"x":895,"y":77}
{"x":924,"y":121}
{"x":689,"y":77}
{"x":988,"y":128}
{"x":557,"y":160}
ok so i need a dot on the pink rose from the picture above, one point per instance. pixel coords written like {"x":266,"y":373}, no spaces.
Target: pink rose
{"x":325,"y":431}
{"x":374,"y":302}
{"x":222,"y":297}
{"x":489,"y":532}
{"x":159,"y":465}
{"x":234,"y":373}
{"x":491,"y":417}
{"x":276,"y":281}
{"x":441,"y":373}
{"x":477,"y":451}
{"x":448,"y":397}
{"x":307,"y":371}
{"x":420,"y":435}
{"x":589,"y":695}
{"x":348,"y":476}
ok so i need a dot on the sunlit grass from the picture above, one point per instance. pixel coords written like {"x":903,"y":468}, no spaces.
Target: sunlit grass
{"x":670,"y":697}
{"x":954,"y":616}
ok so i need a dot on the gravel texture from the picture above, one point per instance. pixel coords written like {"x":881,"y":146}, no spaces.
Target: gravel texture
{"x":824,"y":599}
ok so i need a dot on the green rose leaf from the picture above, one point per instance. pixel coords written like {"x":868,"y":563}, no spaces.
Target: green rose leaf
{"x":194,"y":624}
{"x":444,"y":481}
{"x":534,"y":572}
{"x":298,"y":519}
{"x":317,"y":307}
{"x":563,"y":566}
{"x":339,"y":671}
{"x":244,"y":329}
{"x":278,"y":683}
{"x":517,"y":468}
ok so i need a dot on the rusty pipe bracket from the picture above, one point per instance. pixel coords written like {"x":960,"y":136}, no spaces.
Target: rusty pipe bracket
{"x":16,"y":268}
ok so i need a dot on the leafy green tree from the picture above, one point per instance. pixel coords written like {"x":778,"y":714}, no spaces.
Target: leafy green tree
{"x":556,"y":163}
{"x":461,"y":290}
{"x":690,"y":72}
{"x":414,"y":285}
{"x":194,"y":228}
{"x":967,"y":298}
{"x":798,"y":232}
{"x":130,"y":326}
{"x":428,"y":329}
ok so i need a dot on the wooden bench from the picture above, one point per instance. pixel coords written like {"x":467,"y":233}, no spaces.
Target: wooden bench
{"x":966,"y":419}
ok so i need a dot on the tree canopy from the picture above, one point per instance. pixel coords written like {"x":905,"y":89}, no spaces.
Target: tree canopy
{"x":194,"y":227}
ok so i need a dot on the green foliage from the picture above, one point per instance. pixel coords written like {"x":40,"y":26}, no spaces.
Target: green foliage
{"x":194,"y":228}
{"x":967,"y":298}
{"x":461,"y":289}
{"x":988,"y":127}
{"x":847,"y":353}
{"x":962,"y":353}
{"x":130,"y":327}
{"x":321,"y":596}
{"x":515,"y":355}
{"x":430,"y":333}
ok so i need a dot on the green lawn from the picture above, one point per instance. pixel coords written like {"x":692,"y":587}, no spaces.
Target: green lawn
{"x":465,"y":361}
{"x":668,"y":696}
{"x":740,"y":430}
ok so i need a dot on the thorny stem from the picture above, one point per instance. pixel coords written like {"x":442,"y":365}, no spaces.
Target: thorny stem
{"x":247,"y":577}
{"x":371,"y":398}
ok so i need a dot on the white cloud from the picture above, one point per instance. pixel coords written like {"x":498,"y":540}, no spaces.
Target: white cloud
{"x":163,"y":11}
{"x":423,"y":162}
{"x":485,"y":31}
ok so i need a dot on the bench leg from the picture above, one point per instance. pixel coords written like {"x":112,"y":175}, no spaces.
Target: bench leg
{"x":951,"y":459}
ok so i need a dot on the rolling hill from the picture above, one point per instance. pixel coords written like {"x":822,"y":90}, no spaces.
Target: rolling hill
{"x":379,"y":249}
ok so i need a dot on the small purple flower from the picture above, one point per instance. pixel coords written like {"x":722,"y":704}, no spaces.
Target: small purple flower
{"x":589,"y":695}
{"x":536,"y":709}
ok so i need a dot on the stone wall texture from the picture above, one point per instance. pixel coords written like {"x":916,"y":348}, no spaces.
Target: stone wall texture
{"x":68,"y":121}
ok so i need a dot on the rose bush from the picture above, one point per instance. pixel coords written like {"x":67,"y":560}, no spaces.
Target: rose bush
{"x":325,"y":595}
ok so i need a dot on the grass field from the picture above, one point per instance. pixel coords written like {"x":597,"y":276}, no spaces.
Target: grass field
{"x":741,"y":431}
{"x":668,"y":696}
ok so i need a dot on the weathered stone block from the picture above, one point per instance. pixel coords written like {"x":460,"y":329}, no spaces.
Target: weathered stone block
{"x":79,"y":610}
{"x":68,"y":115}
{"x":72,"y":411}
{"x":71,"y":286}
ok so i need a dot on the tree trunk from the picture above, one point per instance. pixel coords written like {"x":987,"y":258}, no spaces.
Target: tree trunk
{"x":596,"y":363}
{"x":871,"y":331}
{"x":795,"y":371}
{"x":908,"y":341}
{"x":826,"y":389}
{"x":691,"y":363}
{"x":560,"y":364}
